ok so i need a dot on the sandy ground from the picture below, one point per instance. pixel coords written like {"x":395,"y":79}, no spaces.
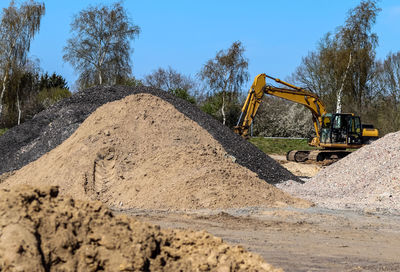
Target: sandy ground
{"x":304,"y":170}
{"x":312,"y":239}
{"x":302,"y":239}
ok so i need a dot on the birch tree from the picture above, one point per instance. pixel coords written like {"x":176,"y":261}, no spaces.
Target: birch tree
{"x":342,"y":67}
{"x":357,"y":38}
{"x":100,"y":48}
{"x":225,"y":74}
{"x":340,"y":92}
{"x":17,"y":29}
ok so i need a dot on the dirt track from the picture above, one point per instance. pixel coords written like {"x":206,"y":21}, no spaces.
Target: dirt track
{"x":300,"y":240}
{"x":313,"y":239}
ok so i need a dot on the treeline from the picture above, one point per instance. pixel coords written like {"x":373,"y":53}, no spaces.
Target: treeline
{"x":343,"y":71}
{"x":25,"y":90}
{"x":31,"y":93}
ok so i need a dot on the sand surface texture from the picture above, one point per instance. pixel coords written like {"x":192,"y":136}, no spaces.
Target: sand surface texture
{"x":140,"y":152}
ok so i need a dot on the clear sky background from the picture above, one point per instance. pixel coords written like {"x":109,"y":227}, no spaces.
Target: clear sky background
{"x":185,"y":34}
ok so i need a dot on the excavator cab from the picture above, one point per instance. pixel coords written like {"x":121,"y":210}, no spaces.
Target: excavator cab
{"x":340,"y":131}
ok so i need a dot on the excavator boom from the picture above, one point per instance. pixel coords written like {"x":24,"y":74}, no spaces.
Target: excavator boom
{"x":292,"y":93}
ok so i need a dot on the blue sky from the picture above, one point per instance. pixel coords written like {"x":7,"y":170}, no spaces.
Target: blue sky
{"x":185,"y":34}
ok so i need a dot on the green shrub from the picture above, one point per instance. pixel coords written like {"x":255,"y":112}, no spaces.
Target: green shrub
{"x":2,"y":131}
{"x":48,"y":97}
{"x":184,"y":94}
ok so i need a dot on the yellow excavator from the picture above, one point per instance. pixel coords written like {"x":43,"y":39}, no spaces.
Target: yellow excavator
{"x":335,"y":132}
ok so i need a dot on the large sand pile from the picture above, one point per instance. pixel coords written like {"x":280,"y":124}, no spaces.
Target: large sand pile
{"x":367,"y":179}
{"x":40,"y":231}
{"x":140,"y":152}
{"x":27,"y":142}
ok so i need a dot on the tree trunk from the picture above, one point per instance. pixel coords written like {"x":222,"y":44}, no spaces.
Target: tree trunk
{"x":340,"y":92}
{"x":223,"y":108}
{"x":19,"y":109}
{"x":100,"y":78}
{"x":223,"y":102}
{"x":2,"y":94}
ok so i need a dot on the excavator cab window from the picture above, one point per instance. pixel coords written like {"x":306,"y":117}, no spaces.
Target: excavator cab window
{"x":350,"y":125}
{"x":337,"y":122}
{"x":326,"y":129}
{"x":354,"y":130}
{"x":357,"y":125}
{"x":339,"y":128}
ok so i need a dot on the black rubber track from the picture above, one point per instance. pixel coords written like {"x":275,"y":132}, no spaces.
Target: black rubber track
{"x":30,"y":140}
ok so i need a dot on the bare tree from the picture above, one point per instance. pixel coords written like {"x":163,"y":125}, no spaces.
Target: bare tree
{"x":341,"y":69}
{"x":17,"y":29}
{"x":391,"y":77}
{"x":226,"y":73}
{"x":100,"y":44}
{"x":22,"y":86}
{"x":357,"y":38}
{"x":388,"y":81}
{"x":168,"y":79}
{"x":340,"y":91}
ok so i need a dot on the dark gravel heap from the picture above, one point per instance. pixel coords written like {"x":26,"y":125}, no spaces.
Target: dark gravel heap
{"x":27,"y":142}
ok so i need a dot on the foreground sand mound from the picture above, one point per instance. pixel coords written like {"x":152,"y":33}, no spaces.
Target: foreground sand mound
{"x":40,"y":231}
{"x":367,"y":179}
{"x":140,"y":152}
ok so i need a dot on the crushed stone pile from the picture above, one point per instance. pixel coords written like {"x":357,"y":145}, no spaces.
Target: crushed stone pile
{"x":41,"y":231}
{"x":27,"y":142}
{"x":142,"y":153}
{"x":367,"y":180}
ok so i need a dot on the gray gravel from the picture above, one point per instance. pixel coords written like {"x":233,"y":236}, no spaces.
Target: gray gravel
{"x":367,"y":180}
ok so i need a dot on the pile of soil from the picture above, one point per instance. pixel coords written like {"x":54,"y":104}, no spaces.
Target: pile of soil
{"x":27,"y":142}
{"x":140,"y":152}
{"x":367,"y":179}
{"x":40,"y":231}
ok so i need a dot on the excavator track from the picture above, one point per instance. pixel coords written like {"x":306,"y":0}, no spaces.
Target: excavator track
{"x":297,"y":155}
{"x":316,"y":155}
{"x":320,"y":155}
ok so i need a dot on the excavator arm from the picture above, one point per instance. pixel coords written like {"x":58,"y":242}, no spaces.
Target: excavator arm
{"x":291,"y":93}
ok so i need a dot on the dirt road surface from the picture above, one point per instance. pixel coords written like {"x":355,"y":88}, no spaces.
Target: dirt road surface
{"x":299,"y":240}
{"x":312,"y":239}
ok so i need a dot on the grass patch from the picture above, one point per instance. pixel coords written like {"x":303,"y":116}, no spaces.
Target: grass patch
{"x":280,"y":146}
{"x":2,"y":131}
